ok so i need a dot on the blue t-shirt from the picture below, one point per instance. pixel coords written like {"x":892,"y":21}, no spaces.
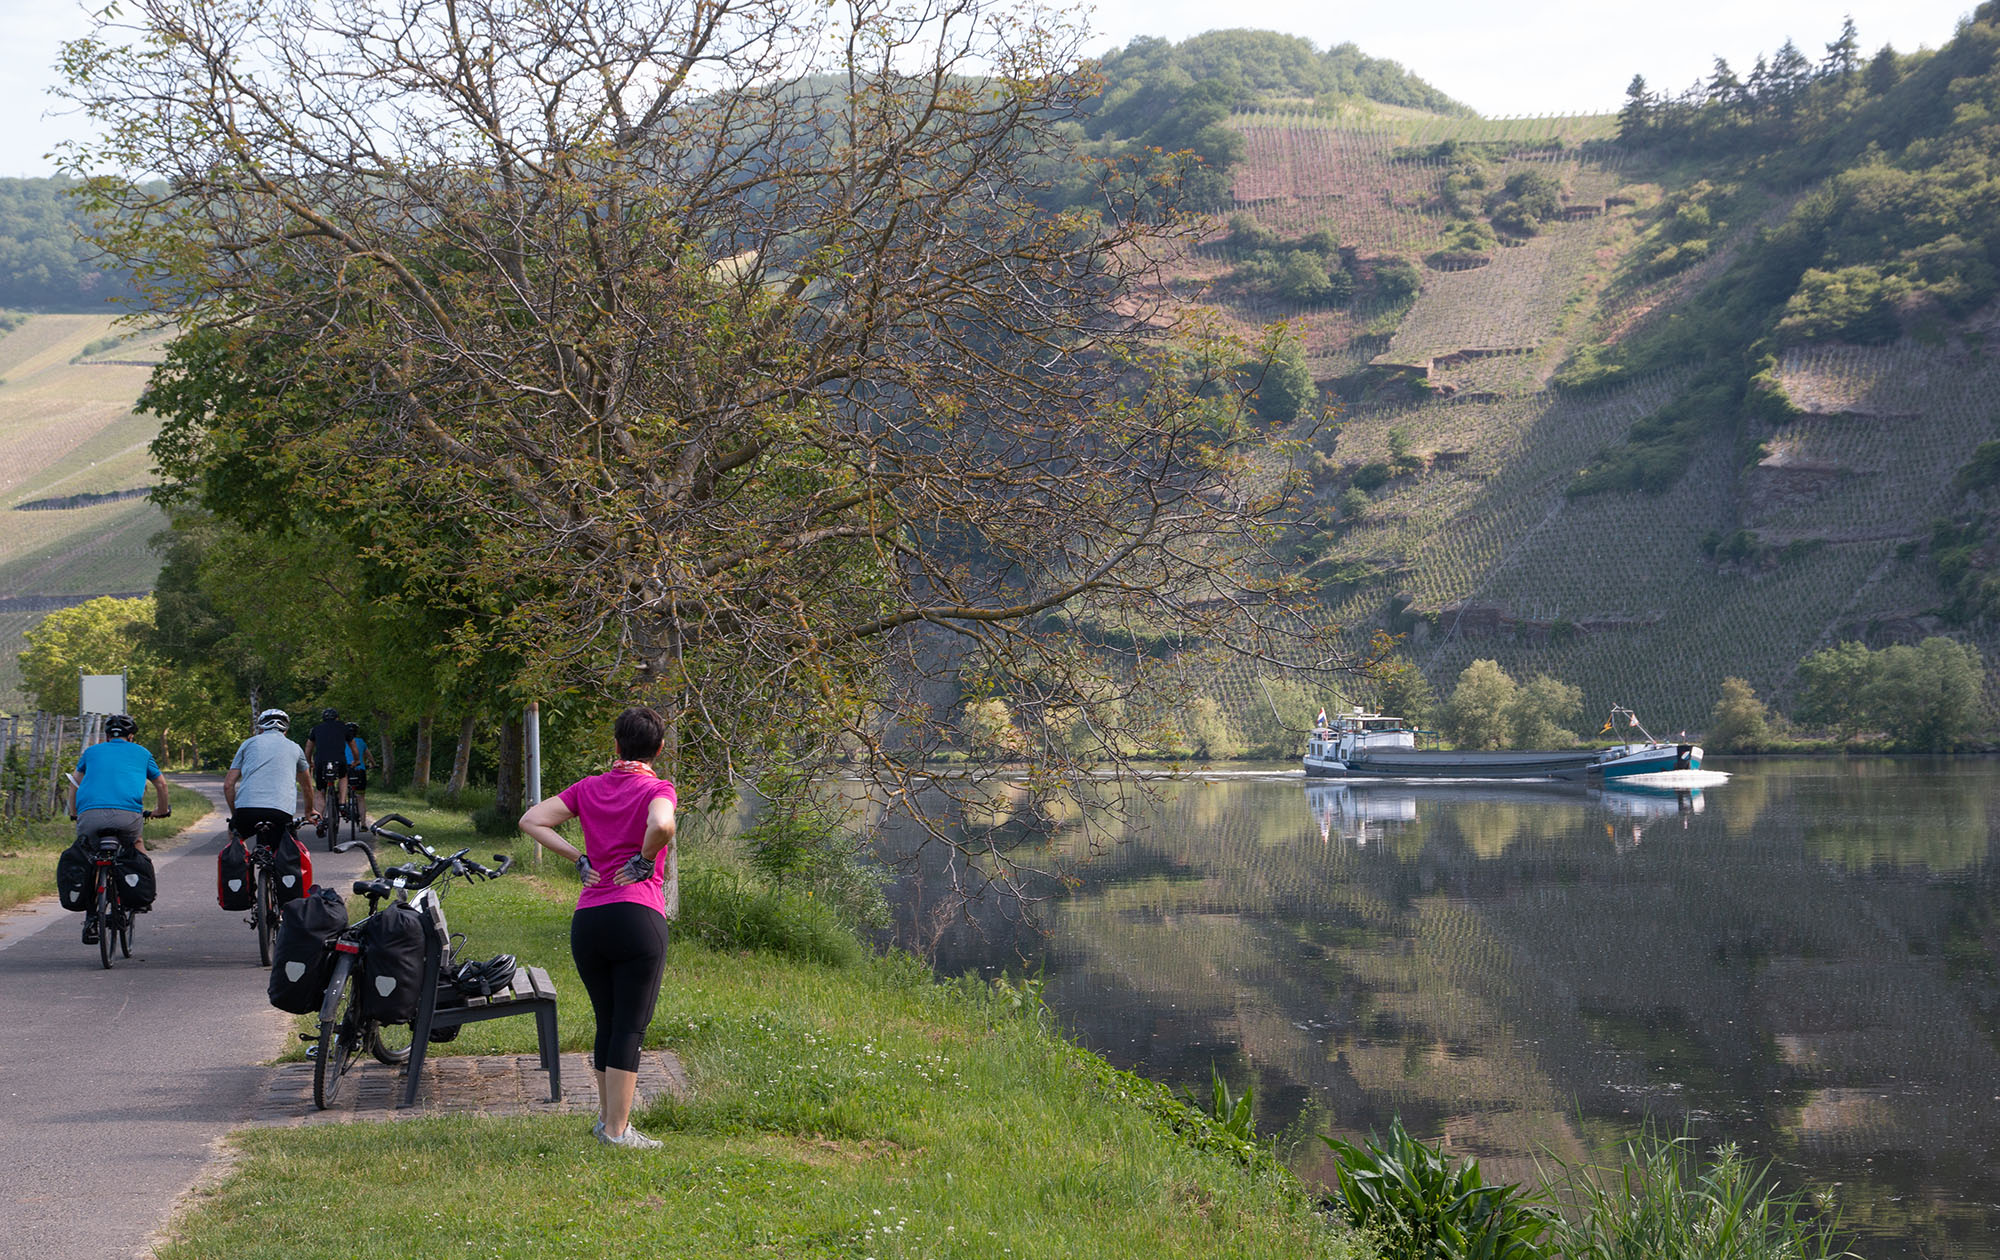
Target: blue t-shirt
{"x":357,"y":753}
{"x":113,"y":776}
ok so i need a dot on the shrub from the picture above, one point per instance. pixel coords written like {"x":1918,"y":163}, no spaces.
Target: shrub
{"x":1543,"y":712}
{"x":1926,"y":696}
{"x":1417,"y":1204}
{"x":1855,"y":304}
{"x":1210,"y":734}
{"x":723,"y":911}
{"x":1397,"y":279}
{"x":1739,"y":722}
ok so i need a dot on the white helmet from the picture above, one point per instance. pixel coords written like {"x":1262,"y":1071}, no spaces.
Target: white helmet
{"x":274,"y":720}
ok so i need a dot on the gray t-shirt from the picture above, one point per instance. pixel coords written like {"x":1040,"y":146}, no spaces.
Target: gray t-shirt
{"x":270,"y":765}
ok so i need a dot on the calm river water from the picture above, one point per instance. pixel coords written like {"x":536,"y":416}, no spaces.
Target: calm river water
{"x":1804,"y":960}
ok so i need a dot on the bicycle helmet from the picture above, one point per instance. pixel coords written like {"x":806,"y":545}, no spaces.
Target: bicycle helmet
{"x":118,"y":726}
{"x":274,"y":720}
{"x":353,"y":729}
{"x":484,"y":977}
{"x":329,"y":715}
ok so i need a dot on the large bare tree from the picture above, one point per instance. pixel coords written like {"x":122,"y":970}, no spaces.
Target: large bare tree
{"x":729,"y":350}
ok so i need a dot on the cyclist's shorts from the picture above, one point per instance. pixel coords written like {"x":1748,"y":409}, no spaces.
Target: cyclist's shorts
{"x":357,"y":778}
{"x":330,"y":773}
{"x":246,"y":819}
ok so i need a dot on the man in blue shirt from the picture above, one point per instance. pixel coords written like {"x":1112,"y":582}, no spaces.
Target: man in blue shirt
{"x":109,"y":789}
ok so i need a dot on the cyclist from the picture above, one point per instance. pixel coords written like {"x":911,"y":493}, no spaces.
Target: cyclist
{"x":326,"y":750}
{"x":267,"y":778}
{"x":108,"y":792}
{"x":357,"y":772}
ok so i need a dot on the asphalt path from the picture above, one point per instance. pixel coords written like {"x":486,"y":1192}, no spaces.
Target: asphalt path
{"x":114,"y":1085}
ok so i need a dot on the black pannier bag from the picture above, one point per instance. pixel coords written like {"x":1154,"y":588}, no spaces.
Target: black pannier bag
{"x":74,"y":877}
{"x":302,"y":958}
{"x":294,"y":868}
{"x":233,"y":889}
{"x":392,"y":964}
{"x":136,"y":883}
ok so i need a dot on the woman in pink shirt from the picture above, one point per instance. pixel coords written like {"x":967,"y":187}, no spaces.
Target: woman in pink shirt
{"x":630,"y":889}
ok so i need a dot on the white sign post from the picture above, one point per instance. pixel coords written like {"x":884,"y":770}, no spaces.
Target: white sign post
{"x":102,"y":694}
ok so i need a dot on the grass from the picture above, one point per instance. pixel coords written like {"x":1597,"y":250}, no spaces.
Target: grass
{"x":837,"y":1111}
{"x":28,"y":849}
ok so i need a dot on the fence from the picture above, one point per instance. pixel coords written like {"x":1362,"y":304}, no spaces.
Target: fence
{"x":35,"y":750}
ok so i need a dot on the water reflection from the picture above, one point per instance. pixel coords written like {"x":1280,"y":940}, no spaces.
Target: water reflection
{"x":1803,"y":961}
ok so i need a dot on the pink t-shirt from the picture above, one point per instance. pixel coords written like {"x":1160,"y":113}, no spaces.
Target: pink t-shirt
{"x":612,"y":809}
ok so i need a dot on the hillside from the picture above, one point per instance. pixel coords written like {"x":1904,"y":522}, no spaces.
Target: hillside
{"x":1627,"y":431}
{"x":69,"y":443}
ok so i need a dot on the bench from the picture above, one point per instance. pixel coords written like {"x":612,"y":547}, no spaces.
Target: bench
{"x":531,"y":993}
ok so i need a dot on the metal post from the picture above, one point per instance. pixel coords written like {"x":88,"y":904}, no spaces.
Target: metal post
{"x":532,"y":723}
{"x":531,"y":728}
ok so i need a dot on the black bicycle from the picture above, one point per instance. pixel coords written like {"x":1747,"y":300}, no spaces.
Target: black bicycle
{"x":113,"y":919}
{"x":329,"y":779}
{"x":270,"y":895}
{"x":344,"y":1029}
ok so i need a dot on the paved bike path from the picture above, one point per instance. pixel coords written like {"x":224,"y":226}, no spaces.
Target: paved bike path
{"x":114,"y":1084}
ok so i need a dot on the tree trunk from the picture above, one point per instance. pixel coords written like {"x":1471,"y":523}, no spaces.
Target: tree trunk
{"x":461,"y":757}
{"x":507,"y":788}
{"x":385,"y":749}
{"x":420,"y":762}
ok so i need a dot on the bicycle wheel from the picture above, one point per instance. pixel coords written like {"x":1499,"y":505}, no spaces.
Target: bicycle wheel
{"x":390,"y":1043}
{"x":339,"y":1020}
{"x":104,"y":929}
{"x":264,"y":912}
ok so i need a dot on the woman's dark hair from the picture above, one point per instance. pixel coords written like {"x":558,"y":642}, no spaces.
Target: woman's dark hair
{"x":640,"y":733}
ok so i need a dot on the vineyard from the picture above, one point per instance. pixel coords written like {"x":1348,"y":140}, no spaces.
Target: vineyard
{"x":1472,"y":546}
{"x":67,"y":429}
{"x":1374,"y":182}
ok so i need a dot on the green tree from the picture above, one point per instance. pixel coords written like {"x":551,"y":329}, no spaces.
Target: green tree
{"x":1543,"y":713}
{"x":988,"y":726}
{"x":1285,"y":387}
{"x":1833,"y":683}
{"x":628,"y":414}
{"x":1401,"y":690}
{"x":181,"y":711}
{"x":1279,"y":719}
{"x":1480,"y":711}
{"x":1927,"y":696}
{"x":1739,"y":722}
{"x":1210,"y":735}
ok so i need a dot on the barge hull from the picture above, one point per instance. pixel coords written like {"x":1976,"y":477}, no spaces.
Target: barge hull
{"x":1406,"y":763}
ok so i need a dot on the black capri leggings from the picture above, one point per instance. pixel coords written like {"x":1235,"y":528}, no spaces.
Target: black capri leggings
{"x":621,"y":953}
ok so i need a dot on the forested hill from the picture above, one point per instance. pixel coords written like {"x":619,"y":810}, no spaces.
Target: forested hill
{"x":43,"y":263}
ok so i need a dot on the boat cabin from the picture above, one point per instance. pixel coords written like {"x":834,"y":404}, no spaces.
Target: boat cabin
{"x":1349,"y":733}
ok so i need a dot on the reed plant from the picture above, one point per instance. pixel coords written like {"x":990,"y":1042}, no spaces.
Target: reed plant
{"x":1665,"y":1201}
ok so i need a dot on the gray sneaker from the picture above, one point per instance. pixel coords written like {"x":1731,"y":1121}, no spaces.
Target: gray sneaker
{"x":597,"y":1130}
{"x":631,"y":1139}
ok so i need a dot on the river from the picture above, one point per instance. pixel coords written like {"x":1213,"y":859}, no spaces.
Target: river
{"x":1804,"y":960}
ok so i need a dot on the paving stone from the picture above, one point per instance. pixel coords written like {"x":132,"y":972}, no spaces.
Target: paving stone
{"x":488,"y":1084}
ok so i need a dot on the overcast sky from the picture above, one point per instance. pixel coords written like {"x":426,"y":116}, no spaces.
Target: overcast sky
{"x":1530,"y":57}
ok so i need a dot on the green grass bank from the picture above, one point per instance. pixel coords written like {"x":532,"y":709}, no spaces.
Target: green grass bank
{"x":838,"y":1111}
{"x":28,"y":850}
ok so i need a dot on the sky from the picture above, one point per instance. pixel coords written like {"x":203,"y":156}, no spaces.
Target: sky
{"x":1529,"y":57}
